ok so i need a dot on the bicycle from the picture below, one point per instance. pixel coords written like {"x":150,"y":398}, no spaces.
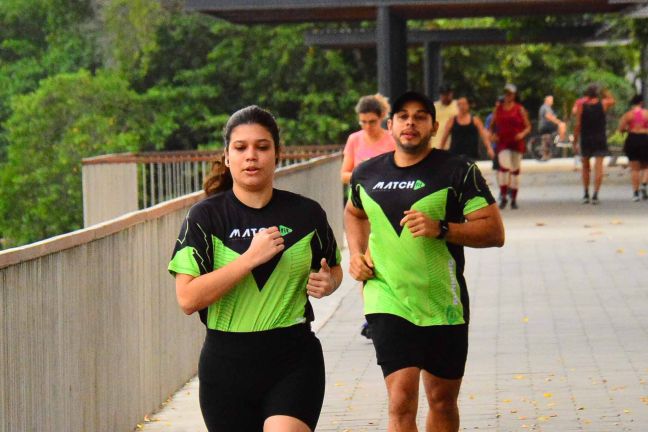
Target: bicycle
{"x":543,"y":147}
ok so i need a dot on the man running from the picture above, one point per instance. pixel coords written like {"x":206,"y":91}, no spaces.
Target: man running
{"x":421,"y":206}
{"x":446,"y":108}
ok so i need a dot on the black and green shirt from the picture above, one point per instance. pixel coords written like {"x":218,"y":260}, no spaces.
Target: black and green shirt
{"x":419,"y":279}
{"x":220,"y":228}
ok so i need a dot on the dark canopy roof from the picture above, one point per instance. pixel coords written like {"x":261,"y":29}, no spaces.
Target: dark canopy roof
{"x":285,"y":11}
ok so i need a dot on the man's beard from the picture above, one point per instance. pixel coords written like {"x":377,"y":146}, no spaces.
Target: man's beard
{"x":414,"y":149}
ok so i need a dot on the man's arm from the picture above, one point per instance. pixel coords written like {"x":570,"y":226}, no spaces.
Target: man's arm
{"x":357,"y":229}
{"x":483,"y":228}
{"x":549,"y":116}
{"x":446,"y":133}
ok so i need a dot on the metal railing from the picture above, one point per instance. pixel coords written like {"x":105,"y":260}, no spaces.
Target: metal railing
{"x":117,"y":184}
{"x":91,"y":336}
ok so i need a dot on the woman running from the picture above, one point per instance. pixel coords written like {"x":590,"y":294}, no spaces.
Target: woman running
{"x":590,"y":129}
{"x":511,"y":121}
{"x":371,"y":140}
{"x":247,"y":258}
{"x":635,"y":123}
{"x":465,"y":130}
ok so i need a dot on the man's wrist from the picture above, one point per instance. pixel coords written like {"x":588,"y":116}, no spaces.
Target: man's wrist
{"x":444,"y":227}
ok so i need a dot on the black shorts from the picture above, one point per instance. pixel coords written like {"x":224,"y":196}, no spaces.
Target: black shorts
{"x":594,"y":147}
{"x":440,"y":350}
{"x":247,"y":377}
{"x":548,"y":129}
{"x":636,"y":147}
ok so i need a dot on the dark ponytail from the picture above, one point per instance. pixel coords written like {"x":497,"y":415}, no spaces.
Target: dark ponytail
{"x":220,"y":177}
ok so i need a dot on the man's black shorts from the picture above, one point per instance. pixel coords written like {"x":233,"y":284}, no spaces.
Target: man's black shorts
{"x":440,"y":350}
{"x":247,"y":377}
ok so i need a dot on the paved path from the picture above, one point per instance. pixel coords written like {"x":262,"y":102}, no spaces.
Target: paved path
{"x":559,"y":335}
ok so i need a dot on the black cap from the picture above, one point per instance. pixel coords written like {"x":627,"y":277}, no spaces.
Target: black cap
{"x":410,"y":96}
{"x":445,"y":88}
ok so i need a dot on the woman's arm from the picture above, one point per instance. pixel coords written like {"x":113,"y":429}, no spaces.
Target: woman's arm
{"x":196,"y":293}
{"x":325,"y":281}
{"x":608,"y":101}
{"x":485,"y":138}
{"x":624,"y":123}
{"x":527,"y":125}
{"x":347,"y":168}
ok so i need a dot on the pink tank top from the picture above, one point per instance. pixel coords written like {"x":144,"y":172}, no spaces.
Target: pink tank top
{"x":638,"y":121}
{"x":359,"y":150}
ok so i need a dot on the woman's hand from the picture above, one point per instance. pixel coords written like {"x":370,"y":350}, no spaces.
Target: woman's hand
{"x":322,"y":283}
{"x":265,"y":245}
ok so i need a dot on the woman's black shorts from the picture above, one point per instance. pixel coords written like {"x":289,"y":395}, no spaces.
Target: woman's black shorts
{"x":440,"y":350}
{"x":636,"y":147}
{"x":247,"y":377}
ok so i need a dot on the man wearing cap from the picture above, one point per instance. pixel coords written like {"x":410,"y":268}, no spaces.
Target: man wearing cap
{"x":410,"y":214}
{"x":511,"y":121}
{"x":446,"y":108}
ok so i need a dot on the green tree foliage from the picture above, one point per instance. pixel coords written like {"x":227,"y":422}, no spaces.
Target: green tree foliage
{"x":87,"y":77}
{"x":40,"y":38}
{"x":563,"y":70}
{"x":129,"y":35}
{"x":69,"y":117}
{"x":311,"y":91}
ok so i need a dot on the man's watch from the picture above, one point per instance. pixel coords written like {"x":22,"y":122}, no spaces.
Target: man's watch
{"x":443,"y":229}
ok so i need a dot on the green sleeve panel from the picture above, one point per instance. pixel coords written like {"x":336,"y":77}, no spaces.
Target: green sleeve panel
{"x":418,"y":284}
{"x":475,"y":204}
{"x":184,"y":262}
{"x":281,"y":302}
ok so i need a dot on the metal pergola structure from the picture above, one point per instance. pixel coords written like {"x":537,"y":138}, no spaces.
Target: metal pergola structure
{"x":391,"y":36}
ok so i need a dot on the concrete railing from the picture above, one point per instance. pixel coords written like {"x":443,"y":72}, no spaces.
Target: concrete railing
{"x":117,"y":184}
{"x":91,"y":337}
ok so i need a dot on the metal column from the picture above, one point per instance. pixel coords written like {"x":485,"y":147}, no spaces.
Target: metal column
{"x":391,"y":35}
{"x":644,"y":72}
{"x":432,"y":69}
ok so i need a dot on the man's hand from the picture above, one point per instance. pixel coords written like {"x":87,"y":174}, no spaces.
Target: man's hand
{"x":520,"y":136}
{"x":419,"y":224}
{"x":361,"y":267}
{"x":322,"y":283}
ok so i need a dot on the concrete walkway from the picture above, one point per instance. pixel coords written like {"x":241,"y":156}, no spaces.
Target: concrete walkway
{"x":559,"y":333}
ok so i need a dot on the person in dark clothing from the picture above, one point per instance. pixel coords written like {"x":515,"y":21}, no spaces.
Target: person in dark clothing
{"x":590,"y":134}
{"x":465,"y":130}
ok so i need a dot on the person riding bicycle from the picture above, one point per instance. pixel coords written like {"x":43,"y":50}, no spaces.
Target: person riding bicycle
{"x":548,"y":122}
{"x":551,"y":130}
